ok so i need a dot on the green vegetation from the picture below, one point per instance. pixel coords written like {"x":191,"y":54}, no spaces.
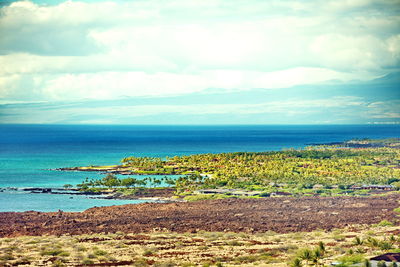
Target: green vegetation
{"x":323,"y":170}
{"x":111,"y":181}
{"x":385,"y":223}
{"x":351,"y":259}
{"x":325,"y":165}
{"x":204,"y":197}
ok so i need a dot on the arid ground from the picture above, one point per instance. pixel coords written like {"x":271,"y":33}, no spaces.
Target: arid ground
{"x":282,"y":215}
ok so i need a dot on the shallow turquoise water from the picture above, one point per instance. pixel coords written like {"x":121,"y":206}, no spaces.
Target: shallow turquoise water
{"x":23,"y":201}
{"x":27,"y":152}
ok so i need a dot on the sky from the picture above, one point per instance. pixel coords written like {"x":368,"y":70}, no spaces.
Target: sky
{"x":200,"y":62}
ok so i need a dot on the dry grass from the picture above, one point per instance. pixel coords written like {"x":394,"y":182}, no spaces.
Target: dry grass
{"x":197,"y":249}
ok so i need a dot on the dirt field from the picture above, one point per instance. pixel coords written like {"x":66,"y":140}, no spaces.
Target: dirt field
{"x":281,"y":215}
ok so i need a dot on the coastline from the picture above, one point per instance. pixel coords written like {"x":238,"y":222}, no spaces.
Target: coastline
{"x":164,"y":195}
{"x":129,"y":170}
{"x":114,"y":169}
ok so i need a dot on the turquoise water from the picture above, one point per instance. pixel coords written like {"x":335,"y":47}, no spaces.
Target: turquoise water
{"x":23,"y":201}
{"x":28,"y":152}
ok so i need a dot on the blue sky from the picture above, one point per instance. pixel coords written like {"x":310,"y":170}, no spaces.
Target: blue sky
{"x":200,"y":62}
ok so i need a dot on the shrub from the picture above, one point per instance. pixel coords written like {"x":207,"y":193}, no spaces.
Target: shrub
{"x":64,"y":254}
{"x":52,"y":252}
{"x":235,"y":243}
{"x":296,"y":263}
{"x":246,"y":259}
{"x":321,"y":246}
{"x":385,"y":245}
{"x":80,"y":248}
{"x":7,"y":257}
{"x":305,"y":254}
{"x":100,"y":252}
{"x":67,"y":186}
{"x":358,"y":241}
{"x":385,"y":223}
{"x":87,"y":261}
{"x":373,"y":242}
{"x":338,"y":237}
{"x":91,"y":256}
{"x":351,"y":259}
{"x":205,"y":197}
{"x":148,"y":252}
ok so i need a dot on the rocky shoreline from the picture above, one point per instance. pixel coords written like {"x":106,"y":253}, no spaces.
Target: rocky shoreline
{"x":151,"y":194}
{"x":116,"y":169}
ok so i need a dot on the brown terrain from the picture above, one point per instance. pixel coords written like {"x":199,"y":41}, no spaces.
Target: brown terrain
{"x":150,"y":192}
{"x":252,"y":215}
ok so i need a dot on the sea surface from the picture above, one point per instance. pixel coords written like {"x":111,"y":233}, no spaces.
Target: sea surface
{"x":29,"y":152}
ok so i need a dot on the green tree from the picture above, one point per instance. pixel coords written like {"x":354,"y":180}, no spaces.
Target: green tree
{"x":111,"y":181}
{"x":129,"y":182}
{"x":156,"y":182}
{"x":83,"y":186}
{"x":67,"y":186}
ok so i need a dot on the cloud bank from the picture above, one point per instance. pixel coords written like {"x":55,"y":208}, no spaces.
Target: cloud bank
{"x":105,"y":50}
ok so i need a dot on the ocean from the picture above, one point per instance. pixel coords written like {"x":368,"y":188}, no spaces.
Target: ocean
{"x":29,"y":152}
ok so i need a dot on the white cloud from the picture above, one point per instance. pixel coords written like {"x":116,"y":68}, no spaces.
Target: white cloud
{"x":108,"y":85}
{"x":339,"y":109}
{"x":356,"y":53}
{"x":103,"y":50}
{"x":384,"y":109}
{"x":295,"y":106}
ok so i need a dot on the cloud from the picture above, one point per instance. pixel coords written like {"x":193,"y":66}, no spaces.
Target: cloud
{"x":108,"y":85}
{"x":384,"y":110}
{"x":258,"y":35}
{"x":356,"y":53}
{"x":74,"y":50}
{"x":124,"y":113}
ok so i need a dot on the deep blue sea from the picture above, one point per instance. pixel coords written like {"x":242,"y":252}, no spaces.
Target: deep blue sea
{"x":27,"y":152}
